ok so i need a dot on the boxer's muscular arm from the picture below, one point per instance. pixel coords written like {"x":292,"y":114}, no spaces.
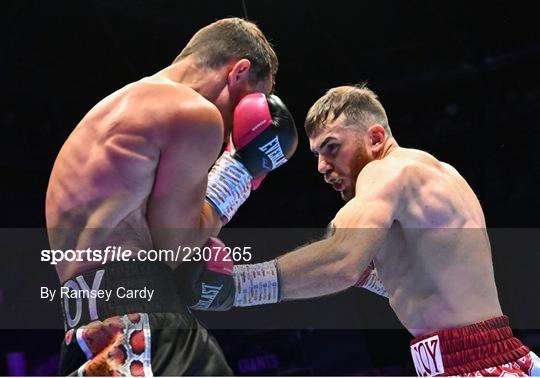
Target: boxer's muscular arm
{"x":190,"y":143}
{"x":336,"y":263}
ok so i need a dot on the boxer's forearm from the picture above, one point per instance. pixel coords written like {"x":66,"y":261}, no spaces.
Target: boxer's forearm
{"x":320,"y":268}
{"x":209,"y":226}
{"x":210,"y":222}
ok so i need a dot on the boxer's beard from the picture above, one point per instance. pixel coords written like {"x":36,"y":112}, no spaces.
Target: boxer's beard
{"x":359,"y":161}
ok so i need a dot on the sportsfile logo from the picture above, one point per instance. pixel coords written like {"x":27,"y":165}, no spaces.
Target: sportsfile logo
{"x":274,"y":152}
{"x":427,"y":357}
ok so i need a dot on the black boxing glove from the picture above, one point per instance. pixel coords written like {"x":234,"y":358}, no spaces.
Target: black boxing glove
{"x":262,"y":148}
{"x":218,"y":285}
{"x":208,"y":285}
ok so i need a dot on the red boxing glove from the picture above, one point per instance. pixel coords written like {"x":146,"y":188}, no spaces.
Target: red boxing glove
{"x":251,"y":117}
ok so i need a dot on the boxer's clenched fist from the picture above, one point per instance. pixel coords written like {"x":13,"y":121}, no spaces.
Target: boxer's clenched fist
{"x":208,"y":285}
{"x":218,"y":285}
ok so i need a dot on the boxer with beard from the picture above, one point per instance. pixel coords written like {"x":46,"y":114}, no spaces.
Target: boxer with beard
{"x":412,"y":229}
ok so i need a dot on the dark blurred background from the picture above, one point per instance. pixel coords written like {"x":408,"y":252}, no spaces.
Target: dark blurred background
{"x":458,"y":79}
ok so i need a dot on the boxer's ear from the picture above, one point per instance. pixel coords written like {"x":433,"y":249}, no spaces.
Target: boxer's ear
{"x":377,"y":137}
{"x":239,"y":74}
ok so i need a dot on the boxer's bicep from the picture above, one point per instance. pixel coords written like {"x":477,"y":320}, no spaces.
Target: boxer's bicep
{"x":362,"y":224}
{"x":374,"y":211}
{"x":361,"y":229}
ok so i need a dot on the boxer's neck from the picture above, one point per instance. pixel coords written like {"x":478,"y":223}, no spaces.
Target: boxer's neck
{"x":208,"y":82}
{"x":389,"y":146}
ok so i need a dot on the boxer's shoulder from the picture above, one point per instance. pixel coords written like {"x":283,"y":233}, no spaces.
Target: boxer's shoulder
{"x":175,"y":112}
{"x":391,"y":178}
{"x":407,"y":166}
{"x":389,"y":173}
{"x":173,"y":103}
{"x":377,"y":201}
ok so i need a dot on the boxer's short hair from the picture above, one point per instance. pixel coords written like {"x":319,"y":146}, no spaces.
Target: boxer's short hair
{"x":233,"y":38}
{"x":359,"y":104}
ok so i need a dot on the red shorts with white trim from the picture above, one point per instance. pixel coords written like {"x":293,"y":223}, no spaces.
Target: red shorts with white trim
{"x":487,"y":348}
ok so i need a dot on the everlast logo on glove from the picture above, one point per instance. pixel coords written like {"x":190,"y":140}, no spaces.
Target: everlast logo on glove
{"x":273,"y":151}
{"x":427,"y":357}
{"x":264,"y":135}
{"x":208,"y":294}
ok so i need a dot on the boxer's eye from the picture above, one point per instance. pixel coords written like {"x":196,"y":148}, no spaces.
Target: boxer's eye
{"x":332,"y":148}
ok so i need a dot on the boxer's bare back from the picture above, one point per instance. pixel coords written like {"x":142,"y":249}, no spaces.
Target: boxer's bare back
{"x":136,"y":164}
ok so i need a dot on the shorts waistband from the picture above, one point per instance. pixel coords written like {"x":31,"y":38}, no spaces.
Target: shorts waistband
{"x":457,"y":351}
{"x":118,"y":289}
